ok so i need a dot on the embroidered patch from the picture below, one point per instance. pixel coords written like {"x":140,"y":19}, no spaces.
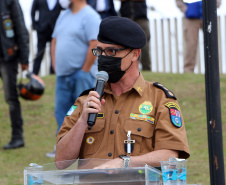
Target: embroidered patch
{"x":172,"y":105}
{"x":168,"y":93}
{"x":90,"y":140}
{"x":142,"y":118}
{"x":145,"y":107}
{"x":71,"y":110}
{"x":100,"y":115}
{"x":175,"y":114}
{"x":8,"y":24}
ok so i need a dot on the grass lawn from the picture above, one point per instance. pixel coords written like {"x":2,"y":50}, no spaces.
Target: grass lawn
{"x":40,"y":127}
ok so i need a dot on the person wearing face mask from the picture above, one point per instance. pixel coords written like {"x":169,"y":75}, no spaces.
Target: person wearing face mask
{"x":137,"y":120}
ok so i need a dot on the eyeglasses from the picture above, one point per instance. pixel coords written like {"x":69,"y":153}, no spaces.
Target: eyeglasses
{"x":107,"y":51}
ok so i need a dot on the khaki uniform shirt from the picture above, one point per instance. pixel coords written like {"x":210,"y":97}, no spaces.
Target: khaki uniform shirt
{"x":144,"y":110}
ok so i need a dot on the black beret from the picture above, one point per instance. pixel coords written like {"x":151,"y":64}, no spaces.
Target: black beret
{"x":121,"y":31}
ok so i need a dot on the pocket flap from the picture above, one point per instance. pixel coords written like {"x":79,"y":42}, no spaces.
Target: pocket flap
{"x":140,"y":128}
{"x":99,"y":125}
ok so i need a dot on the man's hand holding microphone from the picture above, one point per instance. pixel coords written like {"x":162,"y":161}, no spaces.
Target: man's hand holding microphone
{"x":92,"y":105}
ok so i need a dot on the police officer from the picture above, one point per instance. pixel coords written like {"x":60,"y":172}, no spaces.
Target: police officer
{"x":14,"y":49}
{"x":137,"y":121}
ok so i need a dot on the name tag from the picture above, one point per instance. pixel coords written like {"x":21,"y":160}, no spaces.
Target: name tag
{"x":100,"y":115}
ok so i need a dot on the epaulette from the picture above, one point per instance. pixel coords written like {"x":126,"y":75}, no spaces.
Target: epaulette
{"x":168,"y":93}
{"x":86,"y":92}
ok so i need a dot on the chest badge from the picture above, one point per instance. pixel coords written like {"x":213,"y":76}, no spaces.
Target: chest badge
{"x":146,"y":107}
{"x":90,"y":140}
{"x":175,"y":114}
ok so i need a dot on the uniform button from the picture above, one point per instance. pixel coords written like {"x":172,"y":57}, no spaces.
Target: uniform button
{"x":109,"y":154}
{"x":116,"y":112}
{"x":112,"y":132}
{"x":139,"y":129}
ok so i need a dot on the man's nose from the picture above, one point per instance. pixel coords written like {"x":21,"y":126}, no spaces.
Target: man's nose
{"x":103,"y":52}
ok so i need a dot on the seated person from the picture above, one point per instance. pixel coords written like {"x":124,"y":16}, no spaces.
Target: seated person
{"x":143,"y":116}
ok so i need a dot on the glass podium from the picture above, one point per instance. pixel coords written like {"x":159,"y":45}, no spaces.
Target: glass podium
{"x":86,"y":172}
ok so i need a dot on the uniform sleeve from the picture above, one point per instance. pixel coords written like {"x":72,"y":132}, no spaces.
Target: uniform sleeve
{"x":170,"y":128}
{"x":70,"y":119}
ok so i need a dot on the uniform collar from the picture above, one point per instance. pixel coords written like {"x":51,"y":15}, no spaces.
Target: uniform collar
{"x":107,"y":88}
{"x":138,"y":86}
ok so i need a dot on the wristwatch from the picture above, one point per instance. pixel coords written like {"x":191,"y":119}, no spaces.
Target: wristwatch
{"x":126,"y":160}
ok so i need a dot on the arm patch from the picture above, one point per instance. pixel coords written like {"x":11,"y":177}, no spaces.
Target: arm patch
{"x":168,"y":93}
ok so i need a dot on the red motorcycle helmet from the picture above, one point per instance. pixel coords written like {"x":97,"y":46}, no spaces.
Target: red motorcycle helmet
{"x":34,"y":89}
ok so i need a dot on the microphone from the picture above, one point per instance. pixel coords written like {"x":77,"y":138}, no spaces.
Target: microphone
{"x":101,"y":78}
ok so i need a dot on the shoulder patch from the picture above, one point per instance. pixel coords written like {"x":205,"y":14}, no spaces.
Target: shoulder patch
{"x":86,"y":92}
{"x":71,"y":110}
{"x":168,"y":93}
{"x":175,"y":114}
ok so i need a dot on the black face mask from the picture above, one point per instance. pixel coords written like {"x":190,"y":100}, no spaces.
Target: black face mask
{"x":112,"y":65}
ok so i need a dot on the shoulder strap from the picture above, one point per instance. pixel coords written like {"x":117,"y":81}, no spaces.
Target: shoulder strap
{"x":86,"y":92}
{"x":168,"y":93}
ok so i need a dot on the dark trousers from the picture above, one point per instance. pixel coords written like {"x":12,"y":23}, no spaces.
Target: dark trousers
{"x":8,"y":71}
{"x":43,"y":38}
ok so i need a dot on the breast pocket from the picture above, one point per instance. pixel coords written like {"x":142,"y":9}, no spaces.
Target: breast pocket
{"x":93,"y":138}
{"x":142,"y":133}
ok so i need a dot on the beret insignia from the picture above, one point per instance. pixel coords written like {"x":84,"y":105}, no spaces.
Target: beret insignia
{"x":168,"y":93}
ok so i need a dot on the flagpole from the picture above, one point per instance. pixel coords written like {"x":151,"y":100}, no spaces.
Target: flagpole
{"x":213,"y":101}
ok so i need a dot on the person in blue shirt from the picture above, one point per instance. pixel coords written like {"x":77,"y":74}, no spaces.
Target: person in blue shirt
{"x":74,"y":36}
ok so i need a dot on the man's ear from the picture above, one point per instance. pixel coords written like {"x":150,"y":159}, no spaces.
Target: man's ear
{"x":136,"y":54}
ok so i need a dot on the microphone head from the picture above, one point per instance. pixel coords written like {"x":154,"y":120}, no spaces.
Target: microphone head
{"x":102,"y":75}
